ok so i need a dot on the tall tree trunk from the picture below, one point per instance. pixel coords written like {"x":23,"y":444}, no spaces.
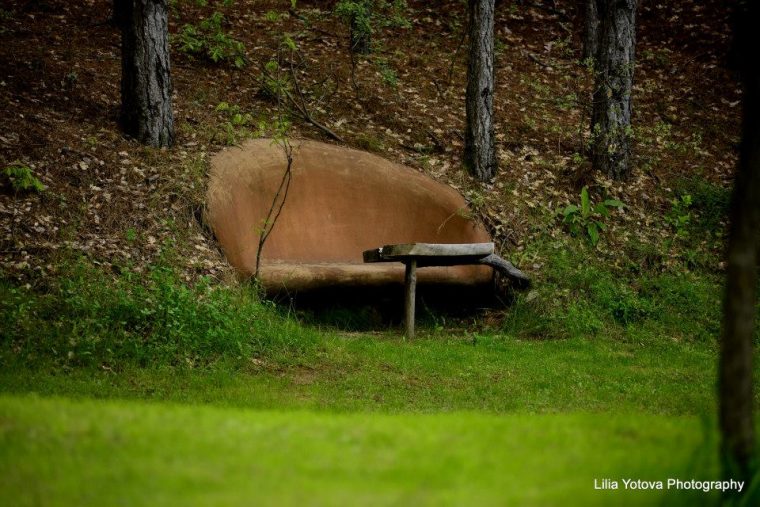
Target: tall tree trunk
{"x":611,"y":115}
{"x":146,"y":89}
{"x":361,"y":29}
{"x":739,"y":308}
{"x":590,"y":30}
{"x":479,"y":148}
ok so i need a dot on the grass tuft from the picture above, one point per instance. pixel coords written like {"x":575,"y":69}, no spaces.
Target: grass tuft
{"x":88,"y":318}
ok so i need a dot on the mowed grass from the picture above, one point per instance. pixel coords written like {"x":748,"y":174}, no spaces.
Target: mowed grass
{"x":56,"y":451}
{"x":146,"y":390}
{"x":493,"y":373}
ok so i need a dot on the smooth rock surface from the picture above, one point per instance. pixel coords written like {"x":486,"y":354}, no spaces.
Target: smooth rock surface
{"x":340,"y":202}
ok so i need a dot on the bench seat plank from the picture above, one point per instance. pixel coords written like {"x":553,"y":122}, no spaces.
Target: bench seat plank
{"x":431,"y":254}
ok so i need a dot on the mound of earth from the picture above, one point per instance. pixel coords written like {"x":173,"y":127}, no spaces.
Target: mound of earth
{"x":338,"y":203}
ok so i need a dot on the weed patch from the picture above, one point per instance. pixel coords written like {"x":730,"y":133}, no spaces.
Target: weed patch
{"x":90,"y":318}
{"x":208,"y":39}
{"x":578,"y":296}
{"x":21,"y":178}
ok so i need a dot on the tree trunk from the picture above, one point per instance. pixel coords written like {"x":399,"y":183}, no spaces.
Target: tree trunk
{"x":146,"y":90}
{"x":479,"y":149}
{"x":611,"y":115}
{"x":590,"y":30}
{"x":361,"y":29}
{"x":739,"y":308}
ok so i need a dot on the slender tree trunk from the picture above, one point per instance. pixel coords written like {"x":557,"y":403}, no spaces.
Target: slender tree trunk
{"x":146,"y":89}
{"x":479,"y":148}
{"x":611,"y":115}
{"x":739,"y":308}
{"x":361,"y":29}
{"x":590,"y":30}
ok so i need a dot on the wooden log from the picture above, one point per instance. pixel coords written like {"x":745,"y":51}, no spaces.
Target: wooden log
{"x":410,"y":285}
{"x":507,"y":269}
{"x":390,"y":253}
{"x":374,"y":255}
{"x":434,"y":254}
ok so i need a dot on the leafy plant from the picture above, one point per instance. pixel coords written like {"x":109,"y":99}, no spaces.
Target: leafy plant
{"x":22,"y":179}
{"x":679,"y":217}
{"x":274,"y":16}
{"x":209,"y":40}
{"x":387,"y":74}
{"x":358,"y":15}
{"x":236,"y":122}
{"x":274,"y":83}
{"x":233,"y":112}
{"x":587,"y":219}
{"x":89,"y":317}
{"x":393,"y":14}
{"x":363,"y":15}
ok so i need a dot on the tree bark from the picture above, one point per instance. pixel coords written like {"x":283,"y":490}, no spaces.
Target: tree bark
{"x":146,"y":89}
{"x":739,"y":307}
{"x":590,"y":30}
{"x":479,"y":148}
{"x":611,"y":115}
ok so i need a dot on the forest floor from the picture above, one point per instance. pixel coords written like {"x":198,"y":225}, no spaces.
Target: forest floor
{"x":136,"y":369}
{"x":120,"y":203}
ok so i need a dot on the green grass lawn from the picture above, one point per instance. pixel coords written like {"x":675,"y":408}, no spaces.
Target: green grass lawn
{"x":494,"y":373}
{"x":57,"y":451}
{"x":367,"y":420}
{"x":146,"y":390}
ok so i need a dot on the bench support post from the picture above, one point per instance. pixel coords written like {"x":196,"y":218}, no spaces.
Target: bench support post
{"x":410,"y":286}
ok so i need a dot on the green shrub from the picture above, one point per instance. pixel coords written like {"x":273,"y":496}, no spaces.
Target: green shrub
{"x":392,"y":13}
{"x":587,"y":219}
{"x":679,"y":215}
{"x":274,"y":84}
{"x":364,"y":15}
{"x":709,"y":204}
{"x":357,"y":13}
{"x":236,"y":124}
{"x":207,"y":39}
{"x":89,"y":318}
{"x":576,"y":295}
{"x":22,"y":179}
{"x":387,"y":74}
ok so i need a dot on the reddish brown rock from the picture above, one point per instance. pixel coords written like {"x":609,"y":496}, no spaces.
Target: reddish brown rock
{"x":340,"y":203}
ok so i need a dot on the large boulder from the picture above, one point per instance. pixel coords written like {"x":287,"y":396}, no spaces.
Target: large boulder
{"x":339,"y":203}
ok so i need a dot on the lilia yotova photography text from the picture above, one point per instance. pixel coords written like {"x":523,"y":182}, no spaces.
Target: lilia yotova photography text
{"x":677,"y":484}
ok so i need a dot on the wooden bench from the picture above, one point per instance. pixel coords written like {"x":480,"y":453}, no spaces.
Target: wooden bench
{"x":418,"y":255}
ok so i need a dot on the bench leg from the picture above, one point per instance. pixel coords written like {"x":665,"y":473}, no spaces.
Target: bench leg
{"x":410,"y":284}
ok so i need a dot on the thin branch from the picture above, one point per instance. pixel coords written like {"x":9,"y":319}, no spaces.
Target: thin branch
{"x":442,"y":93}
{"x":353,"y":74}
{"x":304,"y":111}
{"x":300,"y":106}
{"x":282,"y":191}
{"x":280,"y":195}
